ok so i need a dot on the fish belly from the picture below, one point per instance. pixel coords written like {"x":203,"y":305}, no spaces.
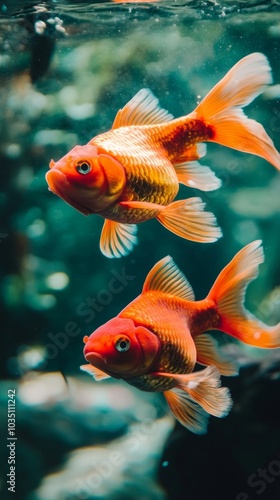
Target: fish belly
{"x":151,"y":383}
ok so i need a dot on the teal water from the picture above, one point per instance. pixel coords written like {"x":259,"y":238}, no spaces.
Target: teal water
{"x":65,"y":70}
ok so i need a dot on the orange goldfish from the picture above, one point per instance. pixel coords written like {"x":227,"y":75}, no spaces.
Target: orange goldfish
{"x":156,"y":341}
{"x":131,"y":173}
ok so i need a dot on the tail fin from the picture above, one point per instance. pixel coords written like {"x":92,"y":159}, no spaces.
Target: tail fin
{"x":221,"y":108}
{"x":228,"y":293}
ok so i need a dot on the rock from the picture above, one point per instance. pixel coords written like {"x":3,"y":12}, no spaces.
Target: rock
{"x":115,"y":435}
{"x":124,"y":469}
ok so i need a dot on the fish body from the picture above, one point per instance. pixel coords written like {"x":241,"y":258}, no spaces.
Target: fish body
{"x":150,"y":176}
{"x":132,"y":173}
{"x":147,"y":154}
{"x":176,"y":323}
{"x":156,"y":341}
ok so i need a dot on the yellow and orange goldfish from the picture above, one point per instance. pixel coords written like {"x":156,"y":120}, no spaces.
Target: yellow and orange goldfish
{"x":131,"y":173}
{"x":156,"y":341}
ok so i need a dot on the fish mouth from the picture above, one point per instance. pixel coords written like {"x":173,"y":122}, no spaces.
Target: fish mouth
{"x":59,"y":185}
{"x":95,"y":359}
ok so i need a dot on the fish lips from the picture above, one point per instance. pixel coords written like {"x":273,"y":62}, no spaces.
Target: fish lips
{"x":95,"y":359}
{"x":59,"y":185}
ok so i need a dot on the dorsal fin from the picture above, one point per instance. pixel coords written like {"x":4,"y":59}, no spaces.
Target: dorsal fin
{"x":167,"y":278}
{"x":142,"y":109}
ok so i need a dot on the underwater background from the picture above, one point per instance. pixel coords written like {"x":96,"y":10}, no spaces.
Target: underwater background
{"x":65,"y":69}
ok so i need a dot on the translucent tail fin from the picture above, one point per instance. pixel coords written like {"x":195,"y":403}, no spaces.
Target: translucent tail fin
{"x":228,"y":292}
{"x":221,"y":108}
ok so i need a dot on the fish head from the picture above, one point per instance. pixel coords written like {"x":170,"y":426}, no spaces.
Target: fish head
{"x":121,"y":348}
{"x":83,"y":178}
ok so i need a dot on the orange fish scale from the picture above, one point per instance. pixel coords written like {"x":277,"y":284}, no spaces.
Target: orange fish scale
{"x":205,"y":316}
{"x":181,"y":134}
{"x":126,"y":215}
{"x":152,"y":383}
{"x":150,"y":175}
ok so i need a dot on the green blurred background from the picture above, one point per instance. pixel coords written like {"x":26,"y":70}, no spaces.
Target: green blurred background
{"x":61,"y":85}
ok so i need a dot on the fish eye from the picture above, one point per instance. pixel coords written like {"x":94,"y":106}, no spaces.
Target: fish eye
{"x":84,"y":167}
{"x":122,"y":344}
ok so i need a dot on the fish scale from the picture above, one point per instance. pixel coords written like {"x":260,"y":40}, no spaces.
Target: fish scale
{"x":181,"y":135}
{"x":144,"y":165}
{"x":149,"y":176}
{"x":151,"y":383}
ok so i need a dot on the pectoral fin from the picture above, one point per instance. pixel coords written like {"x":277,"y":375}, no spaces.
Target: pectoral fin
{"x":117,"y":239}
{"x":141,"y":205}
{"x":94,"y":372}
{"x":187,"y":219}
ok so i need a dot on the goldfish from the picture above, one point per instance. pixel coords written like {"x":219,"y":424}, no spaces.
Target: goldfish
{"x":156,"y":342}
{"x":132,"y":173}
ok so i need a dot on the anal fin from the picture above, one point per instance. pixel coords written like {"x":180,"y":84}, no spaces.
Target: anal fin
{"x":189,"y":413}
{"x":202,"y":388}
